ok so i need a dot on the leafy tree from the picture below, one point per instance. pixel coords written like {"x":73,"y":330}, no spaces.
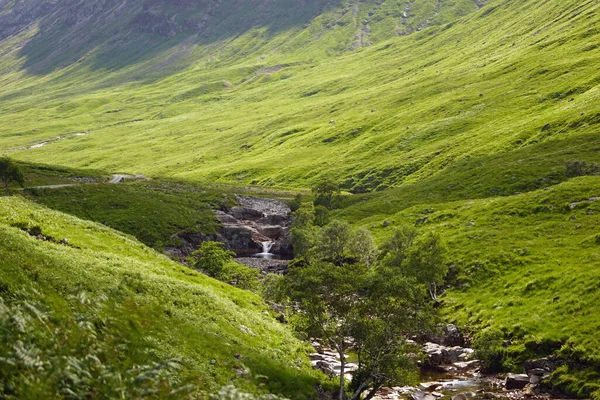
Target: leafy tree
{"x":343,"y":290}
{"x":321,"y":216}
{"x":10,"y":172}
{"x":324,"y":190}
{"x":423,"y":259}
{"x":326,"y":295}
{"x":211,"y":257}
{"x":296,"y":202}
{"x":427,"y":263}
{"x":218,"y":263}
{"x":303,"y":232}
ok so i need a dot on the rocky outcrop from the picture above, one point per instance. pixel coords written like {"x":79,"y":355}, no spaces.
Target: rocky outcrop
{"x":254,"y":223}
{"x":244,"y":229}
{"x":441,"y":358}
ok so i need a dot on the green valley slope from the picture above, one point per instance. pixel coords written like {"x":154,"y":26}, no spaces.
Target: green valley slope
{"x":107,"y":316}
{"x":515,"y":81}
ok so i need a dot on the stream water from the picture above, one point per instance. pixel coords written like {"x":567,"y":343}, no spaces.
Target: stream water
{"x":473,"y":384}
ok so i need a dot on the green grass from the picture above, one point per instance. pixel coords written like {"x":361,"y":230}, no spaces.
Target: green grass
{"x":529,"y":266}
{"x":141,"y":309}
{"x":470,"y":120}
{"x":500,"y":83}
{"x":151,"y":211}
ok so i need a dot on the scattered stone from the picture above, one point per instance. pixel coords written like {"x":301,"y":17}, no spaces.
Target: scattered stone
{"x":469,"y":224}
{"x":537,"y":371}
{"x":386,"y":224}
{"x":460,"y":396}
{"x":428,"y":386}
{"x":516,"y":381}
{"x":420,"y":395}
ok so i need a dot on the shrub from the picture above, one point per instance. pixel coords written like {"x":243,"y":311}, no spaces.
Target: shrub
{"x":490,"y":350}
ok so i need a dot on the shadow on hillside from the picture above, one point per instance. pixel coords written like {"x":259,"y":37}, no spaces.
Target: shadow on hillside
{"x":113,"y":34}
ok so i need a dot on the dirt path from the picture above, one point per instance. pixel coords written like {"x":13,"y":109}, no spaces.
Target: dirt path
{"x":116,"y":178}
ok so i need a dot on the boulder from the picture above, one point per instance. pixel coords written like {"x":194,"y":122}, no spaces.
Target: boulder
{"x":245,"y":213}
{"x":516,"y":381}
{"x":453,"y":336}
{"x":420,"y":395}
{"x":429,"y":385}
{"x":547,"y":364}
{"x":537,"y":371}
{"x":460,"y":396}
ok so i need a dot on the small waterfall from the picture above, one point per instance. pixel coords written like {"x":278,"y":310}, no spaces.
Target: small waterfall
{"x":267,"y":247}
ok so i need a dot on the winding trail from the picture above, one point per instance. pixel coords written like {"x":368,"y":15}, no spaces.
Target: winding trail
{"x":116,"y":178}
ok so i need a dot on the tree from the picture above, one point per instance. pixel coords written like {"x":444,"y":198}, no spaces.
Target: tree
{"x":218,"y":263}
{"x":324,"y":190}
{"x":10,"y":172}
{"x":211,"y":257}
{"x":427,"y":263}
{"x":325,"y":294}
{"x":343,"y":291}
{"x":423,"y":258}
{"x":393,"y":307}
{"x":303,"y":232}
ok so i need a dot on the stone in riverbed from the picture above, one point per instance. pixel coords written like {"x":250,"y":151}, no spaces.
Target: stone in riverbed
{"x":429,"y":385}
{"x":460,"y":396}
{"x":537,"y":371}
{"x":420,"y":395}
{"x":516,"y":381}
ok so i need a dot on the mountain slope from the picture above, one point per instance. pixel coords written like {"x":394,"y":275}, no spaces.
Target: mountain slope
{"x":512,"y":88}
{"x":103,"y":315}
{"x":109,"y":34}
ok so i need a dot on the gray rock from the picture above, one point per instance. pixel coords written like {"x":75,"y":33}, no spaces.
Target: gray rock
{"x":429,"y":385}
{"x":516,"y":381}
{"x":460,"y":396}
{"x":469,"y":224}
{"x":420,"y":395}
{"x":546,"y":363}
{"x":536,"y":371}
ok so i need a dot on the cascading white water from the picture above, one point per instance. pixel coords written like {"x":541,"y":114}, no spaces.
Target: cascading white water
{"x":267,"y":247}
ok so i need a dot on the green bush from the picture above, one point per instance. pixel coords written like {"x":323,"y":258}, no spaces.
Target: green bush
{"x":216,"y":262}
{"x":490,"y":350}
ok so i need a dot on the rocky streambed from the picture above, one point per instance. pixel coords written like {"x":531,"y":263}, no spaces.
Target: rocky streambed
{"x":450,"y":371}
{"x":257,"y":230}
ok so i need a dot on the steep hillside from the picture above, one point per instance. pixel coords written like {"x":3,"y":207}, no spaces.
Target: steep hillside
{"x":112,"y":34}
{"x":510,"y":90}
{"x":102,"y":315}
{"x":526,"y":265}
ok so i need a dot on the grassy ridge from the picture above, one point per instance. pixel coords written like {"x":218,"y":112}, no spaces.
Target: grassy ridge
{"x":405,"y":110}
{"x":151,"y":211}
{"x":528,"y":265}
{"x":142,"y":309}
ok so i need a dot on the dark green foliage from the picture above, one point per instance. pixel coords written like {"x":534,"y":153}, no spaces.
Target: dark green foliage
{"x":341,"y":291}
{"x":295,"y":203}
{"x":581,"y":168}
{"x":490,"y":350}
{"x":326,"y":192}
{"x":321,"y":215}
{"x":9,"y":173}
{"x":216,"y":262}
{"x":211,"y":257}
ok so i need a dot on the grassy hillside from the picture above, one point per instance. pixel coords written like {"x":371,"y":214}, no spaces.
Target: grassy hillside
{"x":151,"y":211}
{"x":511,"y":86}
{"x":104,"y":315}
{"x":527,"y":265}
